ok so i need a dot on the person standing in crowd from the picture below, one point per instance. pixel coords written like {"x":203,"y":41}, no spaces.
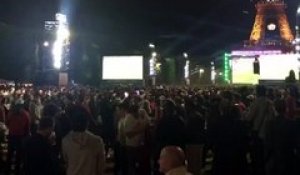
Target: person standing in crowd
{"x":106,"y":112}
{"x":120,"y":144}
{"x":35,"y":111}
{"x":3,"y":110}
{"x":292,"y":110}
{"x":195,"y":136}
{"x":134,"y":129}
{"x":170,"y":129}
{"x":39,"y":157}
{"x":260,"y":114}
{"x":18,"y":124}
{"x":172,"y":161}
{"x":146,"y":105}
{"x":145,"y":142}
{"x":83,"y":152}
{"x":280,"y":151}
{"x":62,"y":124}
{"x":229,"y":140}
{"x":83,"y":101}
{"x":238,"y":101}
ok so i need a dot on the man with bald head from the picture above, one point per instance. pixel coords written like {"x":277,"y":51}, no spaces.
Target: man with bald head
{"x":172,"y":161}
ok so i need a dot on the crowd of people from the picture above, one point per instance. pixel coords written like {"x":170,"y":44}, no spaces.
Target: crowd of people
{"x":161,"y":130}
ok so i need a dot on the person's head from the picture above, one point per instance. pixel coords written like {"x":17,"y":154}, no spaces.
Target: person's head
{"x":125,"y":105}
{"x":232,"y":112}
{"x":270,"y":93}
{"x":3,"y":100}
{"x":293,"y":91}
{"x":237,"y":97}
{"x":134,"y":110}
{"x":79,"y":118}
{"x":261,"y":91}
{"x":228,"y":96}
{"x":292,"y":74}
{"x":50,"y":110}
{"x":171,"y":157}
{"x":17,"y":108}
{"x":280,"y":107}
{"x":46,"y":126}
{"x":169,"y":108}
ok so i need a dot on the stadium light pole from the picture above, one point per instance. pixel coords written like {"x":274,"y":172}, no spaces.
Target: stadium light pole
{"x":297,"y":38}
{"x":152,"y":64}
{"x":213,"y":72}
{"x":187,"y":69}
{"x":201,"y":72}
{"x":226,"y":68}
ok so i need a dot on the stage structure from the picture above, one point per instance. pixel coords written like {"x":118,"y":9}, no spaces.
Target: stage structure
{"x":61,"y":45}
{"x":269,"y":54}
{"x":55,"y":55}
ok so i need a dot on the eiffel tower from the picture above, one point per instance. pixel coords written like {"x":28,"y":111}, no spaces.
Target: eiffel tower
{"x":271,"y":23}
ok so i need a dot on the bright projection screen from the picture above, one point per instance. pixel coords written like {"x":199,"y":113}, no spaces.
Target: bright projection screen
{"x":122,"y":68}
{"x":242,"y":71}
{"x":272,"y":67}
{"x":277,"y":67}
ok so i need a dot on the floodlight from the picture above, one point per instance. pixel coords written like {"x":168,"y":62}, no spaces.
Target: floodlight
{"x":151,"y":45}
{"x":154,"y":54}
{"x":185,"y":55}
{"x":46,"y":44}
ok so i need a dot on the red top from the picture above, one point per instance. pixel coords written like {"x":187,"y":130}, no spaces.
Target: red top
{"x":242,"y":107}
{"x":290,"y":107}
{"x":18,"y":124}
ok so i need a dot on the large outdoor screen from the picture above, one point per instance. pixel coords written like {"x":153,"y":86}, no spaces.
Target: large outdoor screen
{"x":122,"y":68}
{"x":242,"y":71}
{"x":277,"y":67}
{"x":272,"y":67}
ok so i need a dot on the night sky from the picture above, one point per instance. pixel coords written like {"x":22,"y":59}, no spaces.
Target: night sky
{"x":199,"y":27}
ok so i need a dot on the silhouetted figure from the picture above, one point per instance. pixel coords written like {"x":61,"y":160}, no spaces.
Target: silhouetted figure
{"x":229,"y":141}
{"x":19,"y":127}
{"x":39,"y":156}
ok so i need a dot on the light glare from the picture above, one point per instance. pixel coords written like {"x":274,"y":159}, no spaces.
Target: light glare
{"x":62,"y":37}
{"x":152,"y":46}
{"x":154,"y":54}
{"x":271,"y":27}
{"x":185,"y":55}
{"x":46,"y":44}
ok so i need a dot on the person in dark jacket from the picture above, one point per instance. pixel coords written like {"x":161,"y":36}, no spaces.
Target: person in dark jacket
{"x":62,"y":123}
{"x":229,"y":143}
{"x":170,"y":128}
{"x":39,"y":158}
{"x":195,"y":137}
{"x":280,"y":143}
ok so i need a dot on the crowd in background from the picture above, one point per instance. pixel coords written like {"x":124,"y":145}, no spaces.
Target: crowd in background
{"x":246,"y":130}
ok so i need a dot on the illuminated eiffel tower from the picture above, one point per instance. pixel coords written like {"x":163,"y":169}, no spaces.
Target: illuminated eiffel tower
{"x":271,"y":23}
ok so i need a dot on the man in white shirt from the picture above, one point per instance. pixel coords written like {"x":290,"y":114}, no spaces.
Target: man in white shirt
{"x":83,"y":152}
{"x":172,"y":161}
